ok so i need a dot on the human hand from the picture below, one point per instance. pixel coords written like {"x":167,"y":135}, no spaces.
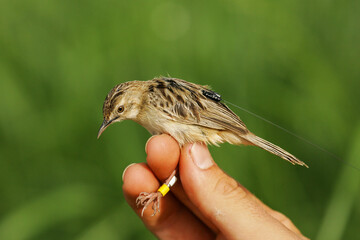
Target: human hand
{"x":205,"y":203}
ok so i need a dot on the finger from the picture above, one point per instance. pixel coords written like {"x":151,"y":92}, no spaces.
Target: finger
{"x":224,"y":201}
{"x":277,"y":215}
{"x":163,"y":155}
{"x":284,"y":220}
{"x":163,"y":152}
{"x":174,"y":220}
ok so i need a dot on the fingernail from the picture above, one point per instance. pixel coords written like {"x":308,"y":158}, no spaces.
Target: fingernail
{"x":148,"y":142}
{"x":201,"y":156}
{"x":125,"y":171}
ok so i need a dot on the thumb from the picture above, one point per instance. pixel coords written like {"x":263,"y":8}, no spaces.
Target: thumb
{"x":221,"y":199}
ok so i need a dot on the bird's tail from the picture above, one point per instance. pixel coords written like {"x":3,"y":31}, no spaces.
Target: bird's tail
{"x":272,"y":148}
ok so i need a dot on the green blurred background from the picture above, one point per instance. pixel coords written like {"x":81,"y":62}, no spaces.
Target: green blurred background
{"x":295,"y":62}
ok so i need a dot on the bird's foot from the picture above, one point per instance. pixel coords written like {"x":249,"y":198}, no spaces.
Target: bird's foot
{"x":145,"y":199}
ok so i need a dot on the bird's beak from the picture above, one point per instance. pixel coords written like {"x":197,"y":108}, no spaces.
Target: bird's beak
{"x":103,"y":126}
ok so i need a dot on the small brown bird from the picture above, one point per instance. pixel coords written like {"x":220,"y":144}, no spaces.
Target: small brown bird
{"x":188,"y":112}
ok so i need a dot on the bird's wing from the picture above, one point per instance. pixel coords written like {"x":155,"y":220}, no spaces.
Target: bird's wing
{"x":218,"y":114}
{"x":193,"y":104}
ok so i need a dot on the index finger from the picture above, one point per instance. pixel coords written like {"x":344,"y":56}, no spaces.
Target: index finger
{"x":163,"y":155}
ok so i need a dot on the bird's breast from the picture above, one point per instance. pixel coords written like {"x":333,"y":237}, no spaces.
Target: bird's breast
{"x":184,"y":133}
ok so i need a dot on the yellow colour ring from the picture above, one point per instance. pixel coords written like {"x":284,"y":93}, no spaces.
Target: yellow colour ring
{"x":164,"y":189}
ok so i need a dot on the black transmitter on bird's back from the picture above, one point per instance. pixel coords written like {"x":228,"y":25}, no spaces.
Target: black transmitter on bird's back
{"x":212,"y":95}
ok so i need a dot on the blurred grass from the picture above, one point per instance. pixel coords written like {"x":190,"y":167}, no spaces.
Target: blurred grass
{"x":342,"y":200}
{"x":294,"y":62}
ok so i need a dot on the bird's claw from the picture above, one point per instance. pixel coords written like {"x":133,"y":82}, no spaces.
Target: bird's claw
{"x":145,"y":199}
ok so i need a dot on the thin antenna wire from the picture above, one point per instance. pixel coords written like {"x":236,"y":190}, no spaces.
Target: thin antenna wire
{"x":295,"y":135}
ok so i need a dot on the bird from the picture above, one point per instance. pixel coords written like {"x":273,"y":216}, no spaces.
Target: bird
{"x":186,"y":111}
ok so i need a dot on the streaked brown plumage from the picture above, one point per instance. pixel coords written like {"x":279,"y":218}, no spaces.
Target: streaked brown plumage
{"x":188,"y":112}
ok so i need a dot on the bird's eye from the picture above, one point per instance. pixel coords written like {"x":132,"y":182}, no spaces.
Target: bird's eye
{"x":120,"y":109}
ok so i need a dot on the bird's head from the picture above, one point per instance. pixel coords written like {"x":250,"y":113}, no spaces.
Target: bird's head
{"x":122,"y":102}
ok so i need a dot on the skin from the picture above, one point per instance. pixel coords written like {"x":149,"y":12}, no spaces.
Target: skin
{"x":206,"y":203}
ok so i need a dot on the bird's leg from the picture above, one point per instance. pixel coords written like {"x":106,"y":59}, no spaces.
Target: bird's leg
{"x":145,"y":199}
